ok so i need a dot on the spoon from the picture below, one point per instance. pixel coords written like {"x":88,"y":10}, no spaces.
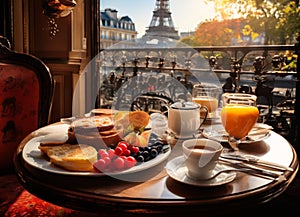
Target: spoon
{"x":226,"y":171}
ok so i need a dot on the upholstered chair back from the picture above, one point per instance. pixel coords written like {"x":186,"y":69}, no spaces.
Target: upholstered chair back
{"x":26,"y":91}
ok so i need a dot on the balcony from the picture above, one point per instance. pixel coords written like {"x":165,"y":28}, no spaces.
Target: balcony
{"x":129,"y":70}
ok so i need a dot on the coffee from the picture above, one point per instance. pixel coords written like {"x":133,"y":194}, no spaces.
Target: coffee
{"x":202,"y":149}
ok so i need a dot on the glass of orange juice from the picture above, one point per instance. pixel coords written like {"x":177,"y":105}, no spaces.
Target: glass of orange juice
{"x":238,"y":117}
{"x":207,"y":95}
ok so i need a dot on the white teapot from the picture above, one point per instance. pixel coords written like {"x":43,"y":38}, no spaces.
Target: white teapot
{"x":184,"y":119}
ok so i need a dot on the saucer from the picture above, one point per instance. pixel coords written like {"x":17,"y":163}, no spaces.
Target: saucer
{"x":218,"y":133}
{"x":193,"y":136}
{"x":177,"y":170}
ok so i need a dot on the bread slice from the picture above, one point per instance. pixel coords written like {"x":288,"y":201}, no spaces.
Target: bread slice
{"x":71,"y":157}
{"x":101,"y":123}
{"x":98,"y":131}
{"x":95,"y":139}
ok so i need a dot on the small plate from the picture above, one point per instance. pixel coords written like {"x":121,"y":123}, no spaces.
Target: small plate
{"x":217,"y":132}
{"x":177,"y":170}
{"x":170,"y":133}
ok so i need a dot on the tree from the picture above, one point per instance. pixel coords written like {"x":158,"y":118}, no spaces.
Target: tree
{"x":289,"y":22}
{"x":214,"y":33}
{"x":277,"y":19}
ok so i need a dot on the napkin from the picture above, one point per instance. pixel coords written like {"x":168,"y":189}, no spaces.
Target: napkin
{"x":52,"y":130}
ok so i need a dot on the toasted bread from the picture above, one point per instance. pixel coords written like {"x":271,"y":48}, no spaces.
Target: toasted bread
{"x":101,"y":123}
{"x":94,"y":138}
{"x":71,"y":157}
{"x":97,"y":131}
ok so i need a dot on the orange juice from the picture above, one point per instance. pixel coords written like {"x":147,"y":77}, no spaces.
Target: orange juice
{"x":211,"y":103}
{"x":238,"y":120}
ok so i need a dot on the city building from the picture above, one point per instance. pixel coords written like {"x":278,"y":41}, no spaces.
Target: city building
{"x":114,"y":29}
{"x":187,"y":34}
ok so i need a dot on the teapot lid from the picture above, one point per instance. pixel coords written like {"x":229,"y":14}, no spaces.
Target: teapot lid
{"x":185,"y":105}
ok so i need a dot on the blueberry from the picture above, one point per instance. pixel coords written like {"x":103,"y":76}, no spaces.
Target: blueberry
{"x":158,"y":143}
{"x":153,"y":153}
{"x":159,"y":148}
{"x":140,"y":158}
{"x":135,"y":155}
{"x":146,"y":155}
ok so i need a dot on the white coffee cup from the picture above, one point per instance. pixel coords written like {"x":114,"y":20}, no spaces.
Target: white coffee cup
{"x":201,"y":157}
{"x":184,"y":119}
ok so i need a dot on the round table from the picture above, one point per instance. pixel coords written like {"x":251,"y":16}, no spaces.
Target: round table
{"x":158,"y":193}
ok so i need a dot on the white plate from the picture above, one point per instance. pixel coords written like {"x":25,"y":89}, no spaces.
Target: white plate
{"x":217,"y":132}
{"x":177,"y":170}
{"x":33,"y":156}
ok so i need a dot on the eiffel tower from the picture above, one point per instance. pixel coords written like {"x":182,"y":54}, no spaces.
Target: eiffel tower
{"x":161,"y":24}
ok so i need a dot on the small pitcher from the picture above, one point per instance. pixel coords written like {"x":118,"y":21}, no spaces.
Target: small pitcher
{"x":184,"y":119}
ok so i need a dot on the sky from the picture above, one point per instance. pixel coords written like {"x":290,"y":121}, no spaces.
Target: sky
{"x":186,"y":14}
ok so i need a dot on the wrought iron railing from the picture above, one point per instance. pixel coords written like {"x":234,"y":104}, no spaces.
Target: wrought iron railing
{"x":260,"y":69}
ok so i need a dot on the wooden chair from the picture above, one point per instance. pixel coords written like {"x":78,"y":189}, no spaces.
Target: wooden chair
{"x":26,"y":92}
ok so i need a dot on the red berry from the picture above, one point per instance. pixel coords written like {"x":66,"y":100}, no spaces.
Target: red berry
{"x":124,"y":142}
{"x":101,"y":151}
{"x":107,"y":160}
{"x":135,"y":149}
{"x":130,"y":158}
{"x":118,"y":163}
{"x":118,"y":151}
{"x":111,"y":153}
{"x":104,"y":155}
{"x":130,"y":162}
{"x":126,"y":152}
{"x":122,"y":145}
{"x":100,"y":165}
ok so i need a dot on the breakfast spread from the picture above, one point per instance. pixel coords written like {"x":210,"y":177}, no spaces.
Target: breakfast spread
{"x":106,"y":142}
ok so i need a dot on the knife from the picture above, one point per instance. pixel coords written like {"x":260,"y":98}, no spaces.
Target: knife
{"x":252,"y":169}
{"x":257,"y":161}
